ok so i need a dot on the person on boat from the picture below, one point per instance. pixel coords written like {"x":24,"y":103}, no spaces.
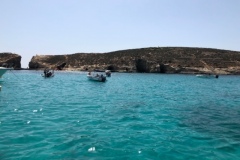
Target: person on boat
{"x":89,"y":73}
{"x":46,"y":71}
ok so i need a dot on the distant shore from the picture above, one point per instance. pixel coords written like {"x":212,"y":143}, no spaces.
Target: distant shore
{"x":169,"y":60}
{"x":123,"y":71}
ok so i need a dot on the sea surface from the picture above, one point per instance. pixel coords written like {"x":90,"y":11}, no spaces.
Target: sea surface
{"x":135,"y":116}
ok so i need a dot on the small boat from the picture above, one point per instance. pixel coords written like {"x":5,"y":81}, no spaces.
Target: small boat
{"x":207,"y":76}
{"x":48,"y":73}
{"x":99,"y":78}
{"x":3,"y":70}
{"x":108,"y":73}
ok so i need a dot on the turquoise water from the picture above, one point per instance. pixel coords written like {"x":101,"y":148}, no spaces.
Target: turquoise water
{"x":131,"y":116}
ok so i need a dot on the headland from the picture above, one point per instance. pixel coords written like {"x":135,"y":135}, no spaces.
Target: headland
{"x":148,"y":60}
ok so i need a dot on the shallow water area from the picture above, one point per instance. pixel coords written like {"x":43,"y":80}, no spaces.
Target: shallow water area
{"x":130,"y":116}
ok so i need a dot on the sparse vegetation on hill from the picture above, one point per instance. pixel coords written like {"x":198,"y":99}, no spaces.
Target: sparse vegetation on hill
{"x":158,"y":60}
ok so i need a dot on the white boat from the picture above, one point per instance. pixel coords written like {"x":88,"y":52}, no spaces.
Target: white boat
{"x":3,"y":70}
{"x":207,"y":76}
{"x":99,"y":78}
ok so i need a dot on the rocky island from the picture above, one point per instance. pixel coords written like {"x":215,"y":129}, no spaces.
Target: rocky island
{"x":149,"y":60}
{"x":8,"y":59}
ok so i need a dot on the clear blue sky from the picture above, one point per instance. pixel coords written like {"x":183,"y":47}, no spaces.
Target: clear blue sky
{"x":51,"y":27}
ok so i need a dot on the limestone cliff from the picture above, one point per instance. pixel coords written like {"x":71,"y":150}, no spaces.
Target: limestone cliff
{"x":155,"y":60}
{"x":10,"y":60}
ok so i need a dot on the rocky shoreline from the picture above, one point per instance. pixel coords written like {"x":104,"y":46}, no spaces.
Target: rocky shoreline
{"x":147,"y":60}
{"x":183,"y":60}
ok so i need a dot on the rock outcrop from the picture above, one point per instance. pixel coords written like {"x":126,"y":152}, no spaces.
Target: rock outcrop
{"x":153,"y":60}
{"x":10,"y":60}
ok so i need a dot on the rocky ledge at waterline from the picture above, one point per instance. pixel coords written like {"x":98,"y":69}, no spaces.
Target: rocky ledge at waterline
{"x":149,"y":60}
{"x":10,"y":60}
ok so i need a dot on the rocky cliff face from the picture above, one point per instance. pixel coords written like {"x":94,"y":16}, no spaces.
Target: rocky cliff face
{"x":10,"y":60}
{"x":155,"y":60}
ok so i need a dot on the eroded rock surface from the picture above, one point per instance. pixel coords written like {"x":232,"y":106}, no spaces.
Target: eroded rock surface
{"x":153,"y":60}
{"x":10,"y":60}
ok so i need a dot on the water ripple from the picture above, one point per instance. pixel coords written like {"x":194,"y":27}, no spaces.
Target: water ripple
{"x":131,"y":116}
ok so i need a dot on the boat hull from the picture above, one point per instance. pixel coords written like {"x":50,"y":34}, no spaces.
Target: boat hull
{"x":47,"y":76}
{"x":3,"y":70}
{"x":96,"y":78}
{"x":48,"y":73}
{"x":206,"y":76}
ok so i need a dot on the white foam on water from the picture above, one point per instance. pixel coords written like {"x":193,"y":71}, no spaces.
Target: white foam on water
{"x":92,"y":149}
{"x":28,"y":122}
{"x":15,"y":109}
{"x":40,"y":109}
{"x":139,"y":152}
{"x":35,"y":110}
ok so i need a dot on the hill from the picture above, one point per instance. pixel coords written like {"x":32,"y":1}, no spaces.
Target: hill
{"x":150,"y":60}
